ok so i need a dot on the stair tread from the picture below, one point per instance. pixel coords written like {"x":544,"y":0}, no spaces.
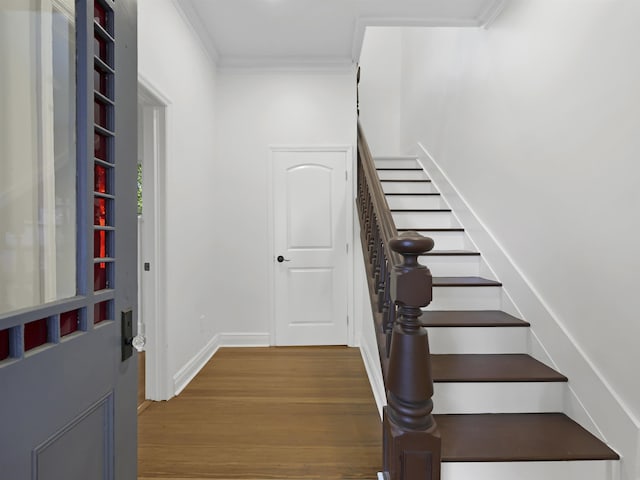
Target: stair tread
{"x":419,"y":210}
{"x":470,"y":318}
{"x":510,"y":367}
{"x":464,"y":282}
{"x":406,"y":180}
{"x":387,"y":194}
{"x":435,"y":229}
{"x":435,"y":253}
{"x":517,"y":437}
{"x":404,"y":169}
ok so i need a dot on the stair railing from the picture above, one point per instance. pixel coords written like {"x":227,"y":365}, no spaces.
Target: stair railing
{"x":399,"y":286}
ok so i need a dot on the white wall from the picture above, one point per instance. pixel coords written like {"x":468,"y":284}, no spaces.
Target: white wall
{"x":255,"y":110}
{"x":172,"y":60}
{"x":380,"y":89}
{"x":535,"y":121}
{"x":220,"y":127}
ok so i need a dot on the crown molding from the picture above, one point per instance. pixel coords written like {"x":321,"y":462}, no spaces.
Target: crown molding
{"x":492,"y":12}
{"x":189,"y":14}
{"x":286,"y":64}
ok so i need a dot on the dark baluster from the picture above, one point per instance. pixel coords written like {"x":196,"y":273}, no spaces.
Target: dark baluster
{"x":381,"y":286}
{"x":411,"y":441}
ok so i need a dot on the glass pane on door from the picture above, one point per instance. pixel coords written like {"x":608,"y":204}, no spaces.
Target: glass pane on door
{"x":37,"y":152}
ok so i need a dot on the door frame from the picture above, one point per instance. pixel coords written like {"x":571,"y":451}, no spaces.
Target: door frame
{"x":271,"y":257}
{"x":156,"y":106}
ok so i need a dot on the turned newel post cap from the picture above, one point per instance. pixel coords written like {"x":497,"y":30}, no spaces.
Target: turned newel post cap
{"x":411,"y":282}
{"x":411,"y":244}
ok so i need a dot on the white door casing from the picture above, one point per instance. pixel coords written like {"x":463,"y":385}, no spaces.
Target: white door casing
{"x":310,"y":231}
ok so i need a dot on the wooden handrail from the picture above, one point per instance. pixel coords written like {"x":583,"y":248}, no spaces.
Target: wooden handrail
{"x":399,"y":286}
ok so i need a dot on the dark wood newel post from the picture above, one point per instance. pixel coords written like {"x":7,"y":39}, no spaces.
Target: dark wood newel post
{"x":411,"y":441}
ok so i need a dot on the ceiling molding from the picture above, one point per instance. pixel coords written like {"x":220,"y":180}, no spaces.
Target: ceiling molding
{"x":286,"y":64}
{"x":492,"y":12}
{"x":189,"y":14}
{"x":363,"y":22}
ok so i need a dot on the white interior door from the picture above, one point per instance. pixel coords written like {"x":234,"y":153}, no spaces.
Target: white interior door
{"x":310,"y":241}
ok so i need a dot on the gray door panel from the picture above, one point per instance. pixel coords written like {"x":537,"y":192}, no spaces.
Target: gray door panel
{"x":68,"y":407}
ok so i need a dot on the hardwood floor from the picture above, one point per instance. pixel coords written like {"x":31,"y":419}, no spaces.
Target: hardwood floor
{"x":266,"y":413}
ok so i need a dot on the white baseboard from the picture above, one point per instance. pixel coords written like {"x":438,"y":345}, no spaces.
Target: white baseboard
{"x":193,"y":366}
{"x":200,"y":359}
{"x":590,"y":399}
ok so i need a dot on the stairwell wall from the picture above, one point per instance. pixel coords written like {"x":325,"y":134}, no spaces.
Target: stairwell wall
{"x":534,"y":121}
{"x":178,"y":66}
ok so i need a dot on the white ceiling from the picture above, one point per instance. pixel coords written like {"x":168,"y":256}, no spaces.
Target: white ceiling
{"x":315,"y":33}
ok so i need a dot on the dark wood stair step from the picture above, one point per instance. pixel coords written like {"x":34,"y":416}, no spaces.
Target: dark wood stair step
{"x":404,"y":169}
{"x":388,"y":194}
{"x":515,"y":437}
{"x":464,"y":282}
{"x":406,"y":180}
{"x":451,"y":253}
{"x":511,"y":367}
{"x":421,"y":210}
{"x":435,"y":229}
{"x":470,"y":318}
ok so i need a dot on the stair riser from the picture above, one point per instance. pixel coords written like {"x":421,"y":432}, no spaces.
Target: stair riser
{"x":466,"y":298}
{"x":576,"y":470}
{"x":401,"y":174}
{"x":460,"y":340}
{"x":415,"y":201}
{"x":424,"y":219}
{"x":408,"y":187}
{"x":448,"y":240}
{"x":498,"y":397}
{"x":451,"y":265}
{"x":396,"y":163}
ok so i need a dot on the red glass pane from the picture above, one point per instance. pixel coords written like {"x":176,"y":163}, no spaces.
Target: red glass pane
{"x":100,"y":179}
{"x":69,"y":322}
{"x":100,"y":312}
{"x":35,"y":334}
{"x":101,"y":244}
{"x":101,"y":49}
{"x":100,"y":15}
{"x":101,"y":82}
{"x":100,"y":114}
{"x":100,"y":276}
{"x":4,"y":344}
{"x":100,"y":147}
{"x":100,"y":211}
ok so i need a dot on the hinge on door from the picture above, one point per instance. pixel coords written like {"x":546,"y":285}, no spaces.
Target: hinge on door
{"x":346,"y":175}
{"x":347,"y":248}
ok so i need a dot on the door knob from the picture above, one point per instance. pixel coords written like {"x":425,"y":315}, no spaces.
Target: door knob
{"x":282,"y":259}
{"x":138,"y":342}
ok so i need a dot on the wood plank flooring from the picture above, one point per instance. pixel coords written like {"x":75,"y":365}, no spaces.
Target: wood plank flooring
{"x":266,"y":413}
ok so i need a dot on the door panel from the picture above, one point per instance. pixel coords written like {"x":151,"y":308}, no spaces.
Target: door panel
{"x":67,"y":401}
{"x":310,"y":232}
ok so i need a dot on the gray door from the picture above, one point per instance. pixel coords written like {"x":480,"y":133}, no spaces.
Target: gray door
{"x":68,"y":81}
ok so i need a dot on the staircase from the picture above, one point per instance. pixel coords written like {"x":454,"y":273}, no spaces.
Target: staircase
{"x":496,"y":407}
